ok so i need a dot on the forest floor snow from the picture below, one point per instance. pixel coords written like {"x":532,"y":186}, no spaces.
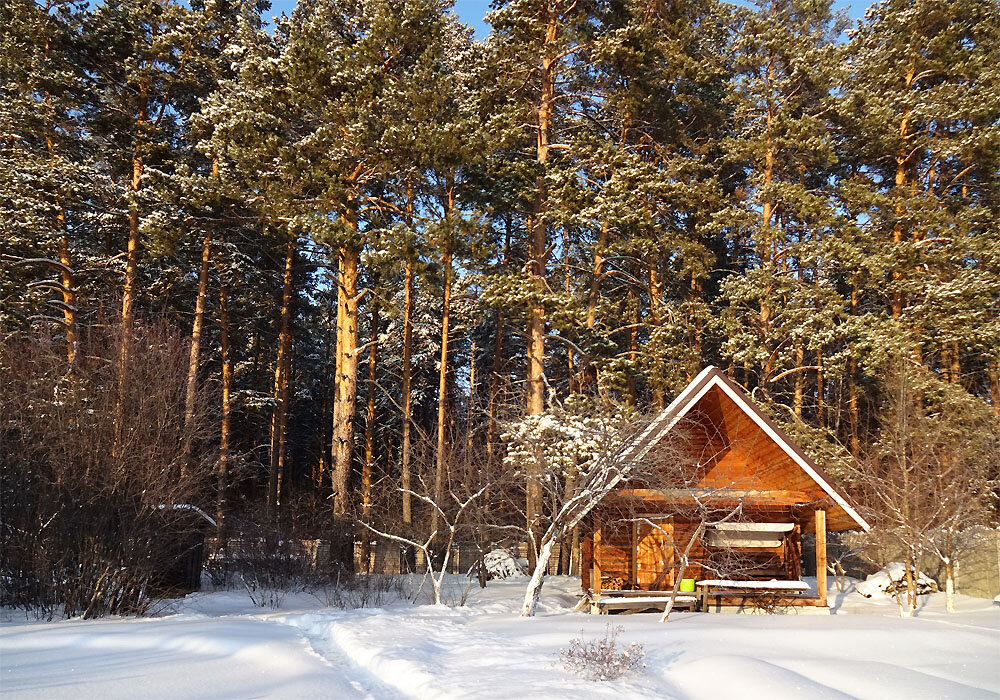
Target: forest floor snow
{"x":216,"y":645}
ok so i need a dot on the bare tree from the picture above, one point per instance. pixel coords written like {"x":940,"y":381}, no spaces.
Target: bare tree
{"x":708,"y":516}
{"x":964,"y":445}
{"x":449,"y":518}
{"x":849,"y":545}
{"x":931,"y":474}
{"x":572,"y":455}
{"x":680,"y":464}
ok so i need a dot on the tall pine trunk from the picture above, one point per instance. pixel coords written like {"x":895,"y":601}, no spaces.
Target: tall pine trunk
{"x":326,"y":397}
{"x":191,"y":390}
{"x":222,"y":474}
{"x":594,"y":296}
{"x":767,"y":215}
{"x":131,"y":260}
{"x":279,"y":416}
{"x":368,"y":466}
{"x":407,"y":371}
{"x":347,"y":371}
{"x":440,"y":463}
{"x":853,"y":414}
{"x":654,"y":287}
{"x":696,"y":293}
{"x":472,"y":408}
{"x":820,"y":390}
{"x":66,"y":271}
{"x":898,"y":300}
{"x":535,"y":400}
{"x":631,"y":390}
{"x":800,"y":382}
{"x":568,"y":290}
{"x":495,"y":378}
{"x":128,"y":300}
{"x":68,"y":292}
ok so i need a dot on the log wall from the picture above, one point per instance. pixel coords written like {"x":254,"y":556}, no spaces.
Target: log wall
{"x":616,"y":550}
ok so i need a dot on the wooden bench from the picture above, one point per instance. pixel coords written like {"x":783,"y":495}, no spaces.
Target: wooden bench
{"x":637,"y":601}
{"x":783,"y":590}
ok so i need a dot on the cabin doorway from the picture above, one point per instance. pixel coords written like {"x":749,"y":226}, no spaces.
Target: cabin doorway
{"x":654,"y":555}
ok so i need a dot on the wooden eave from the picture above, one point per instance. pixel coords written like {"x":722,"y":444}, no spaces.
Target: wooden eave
{"x":778,"y":497}
{"x":843,"y":516}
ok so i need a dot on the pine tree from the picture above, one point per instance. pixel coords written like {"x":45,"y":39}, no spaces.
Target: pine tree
{"x":47,"y":165}
{"x":921,"y":117}
{"x":783,"y":305}
{"x":663,"y":72}
{"x":146,"y":58}
{"x":535,"y":45}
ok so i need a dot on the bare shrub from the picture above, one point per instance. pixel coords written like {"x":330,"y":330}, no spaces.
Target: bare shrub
{"x":353,"y":591}
{"x":95,"y":493}
{"x":602,"y":659}
{"x":269,"y":572}
{"x":262,"y":560}
{"x":769,"y":603}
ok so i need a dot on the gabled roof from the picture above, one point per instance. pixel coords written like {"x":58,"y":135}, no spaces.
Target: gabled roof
{"x":713,"y":377}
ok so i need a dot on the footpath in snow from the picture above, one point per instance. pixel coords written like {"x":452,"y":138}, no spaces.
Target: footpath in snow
{"x":214,"y":645}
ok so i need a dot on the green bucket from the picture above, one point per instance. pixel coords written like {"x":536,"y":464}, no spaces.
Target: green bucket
{"x":687,"y":585}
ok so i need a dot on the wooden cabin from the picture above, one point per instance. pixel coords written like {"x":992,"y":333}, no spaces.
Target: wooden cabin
{"x":734,"y":479}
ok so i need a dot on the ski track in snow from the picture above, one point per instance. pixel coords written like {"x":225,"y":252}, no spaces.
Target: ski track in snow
{"x":320,"y":643}
{"x":433,"y":652}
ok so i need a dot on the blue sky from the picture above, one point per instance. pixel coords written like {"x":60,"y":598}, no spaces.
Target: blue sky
{"x":473,"y":11}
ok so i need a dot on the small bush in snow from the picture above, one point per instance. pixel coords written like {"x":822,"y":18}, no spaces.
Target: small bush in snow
{"x":602,"y":659}
{"x":264,"y":566}
{"x":352,"y":591}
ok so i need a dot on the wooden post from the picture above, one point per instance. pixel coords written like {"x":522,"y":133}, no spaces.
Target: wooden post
{"x":633,"y":559}
{"x":794,"y":540}
{"x":821,"y":556}
{"x":595,"y":576}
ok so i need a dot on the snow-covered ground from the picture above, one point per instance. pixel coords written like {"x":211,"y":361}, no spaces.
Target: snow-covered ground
{"x":215,"y":645}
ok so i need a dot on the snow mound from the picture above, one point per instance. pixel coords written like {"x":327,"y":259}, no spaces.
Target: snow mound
{"x":501,"y":564}
{"x":746,"y":678}
{"x":892,"y":580}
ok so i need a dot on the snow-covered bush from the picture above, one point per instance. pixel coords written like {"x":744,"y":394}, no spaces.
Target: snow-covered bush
{"x":892,"y":580}
{"x":501,"y":564}
{"x":602,"y":659}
